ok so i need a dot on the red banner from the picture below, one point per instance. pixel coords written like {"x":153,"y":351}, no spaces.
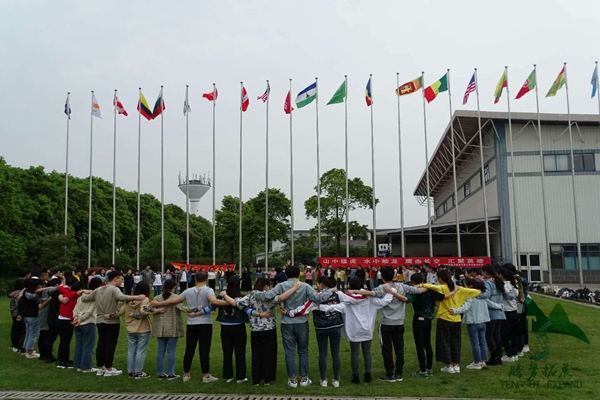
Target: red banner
{"x":353,"y":262}
{"x":205,"y":267}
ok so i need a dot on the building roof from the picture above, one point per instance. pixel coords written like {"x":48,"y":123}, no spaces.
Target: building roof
{"x":438,"y":228}
{"x":466,"y":142}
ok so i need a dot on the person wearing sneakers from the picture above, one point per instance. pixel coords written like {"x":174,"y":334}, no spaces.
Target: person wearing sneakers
{"x":68,"y":300}
{"x":510,"y":326}
{"x":107,"y":300}
{"x":84,"y":321}
{"x":28,"y":311}
{"x":199,"y":327}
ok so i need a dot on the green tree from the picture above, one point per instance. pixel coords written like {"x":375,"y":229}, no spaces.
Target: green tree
{"x":12,"y":254}
{"x":333,"y":205}
{"x":150,"y":253}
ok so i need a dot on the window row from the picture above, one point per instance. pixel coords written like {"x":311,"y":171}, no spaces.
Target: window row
{"x":562,"y":162}
{"x":564,"y":256}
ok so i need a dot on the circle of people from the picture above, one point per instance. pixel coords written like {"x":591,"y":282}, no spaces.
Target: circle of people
{"x":491,"y":302}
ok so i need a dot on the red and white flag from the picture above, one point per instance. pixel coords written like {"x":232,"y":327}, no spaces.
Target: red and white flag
{"x":245,"y":100}
{"x":212,"y":96}
{"x":287,"y":104}
{"x":120,"y":109}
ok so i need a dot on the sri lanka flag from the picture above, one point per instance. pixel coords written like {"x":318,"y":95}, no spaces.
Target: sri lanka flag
{"x":368,"y":94}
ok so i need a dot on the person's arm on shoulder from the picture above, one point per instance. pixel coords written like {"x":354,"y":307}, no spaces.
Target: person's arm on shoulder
{"x":341,"y":308}
{"x":435,"y":288}
{"x":392,"y":291}
{"x":452,"y":292}
{"x":467,"y":293}
{"x":303,"y":309}
{"x":351,"y":298}
{"x":462,"y":309}
{"x":285,"y":295}
{"x":379,"y":303}
{"x":171,"y":301}
{"x":212,"y":299}
{"x":412,"y":289}
{"x":493,"y":305}
{"x":269,"y":294}
{"x":511,"y":292}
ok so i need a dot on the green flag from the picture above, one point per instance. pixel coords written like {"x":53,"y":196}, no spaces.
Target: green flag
{"x":340,"y":95}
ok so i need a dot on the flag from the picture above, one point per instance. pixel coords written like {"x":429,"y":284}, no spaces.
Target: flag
{"x":143,"y":107}
{"x":559,"y":82}
{"x":340,"y":95}
{"x":410,"y":87}
{"x":265,"y":96}
{"x":594,"y":81}
{"x":368,"y":94}
{"x":95,"y":107}
{"x":120,"y":109}
{"x":159,"y":106}
{"x":186,"y":105}
{"x":470,"y":89}
{"x":502,"y":83}
{"x":528,"y":86}
{"x":436,"y":88}
{"x":245,"y":100}
{"x":287,"y":104}
{"x":306,"y":96}
{"x":212,"y":96}
{"x":68,"y":107}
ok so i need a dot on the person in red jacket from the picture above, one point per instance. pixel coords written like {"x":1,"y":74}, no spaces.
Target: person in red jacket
{"x":68,"y":300}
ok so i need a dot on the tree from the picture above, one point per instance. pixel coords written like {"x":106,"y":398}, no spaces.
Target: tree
{"x":55,"y":250}
{"x":333,"y":205}
{"x":150,"y":253}
{"x":12,"y":254}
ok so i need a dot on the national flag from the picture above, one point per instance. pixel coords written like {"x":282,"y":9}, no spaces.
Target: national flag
{"x":186,"y":105}
{"x":143,"y":107}
{"x":594,"y":81}
{"x":95,"y":107}
{"x":470,"y":89}
{"x":410,"y":87}
{"x":306,"y":96}
{"x":502,"y":83}
{"x":559,"y":82}
{"x":528,"y":86}
{"x":212,"y":96}
{"x":159,"y":106}
{"x":265,"y":96}
{"x":368,"y":95}
{"x":245,"y":100}
{"x":340,"y":95}
{"x":68,"y":108}
{"x":287,"y":104}
{"x":436,"y":88}
{"x":120,"y":109}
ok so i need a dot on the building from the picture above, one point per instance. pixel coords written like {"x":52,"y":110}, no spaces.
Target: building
{"x":514,"y":205}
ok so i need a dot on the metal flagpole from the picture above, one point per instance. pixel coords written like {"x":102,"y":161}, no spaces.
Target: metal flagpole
{"x":546,"y":237}
{"x":139,"y":176}
{"x":240,"y":189}
{"x":458,"y":245}
{"x":114,"y":221}
{"x":577,"y":234}
{"x":598,"y":91}
{"x":214,"y":179}
{"x":90,"y":200}
{"x":426,"y":166}
{"x":267,"y":176}
{"x":512,"y":172}
{"x":187,"y":177}
{"x":346,"y":159}
{"x":318,"y":169}
{"x":67,"y":111}
{"x":400,"y":170}
{"x":291,"y":183}
{"x":162,"y":183}
{"x":485,"y":212}
{"x":373,"y":172}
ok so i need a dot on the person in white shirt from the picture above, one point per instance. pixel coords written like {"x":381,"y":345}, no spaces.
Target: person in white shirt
{"x":157,"y":284}
{"x":183,"y":283}
{"x":136,"y":279}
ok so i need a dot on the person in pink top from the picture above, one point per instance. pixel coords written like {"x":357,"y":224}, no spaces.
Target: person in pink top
{"x":308,"y":276}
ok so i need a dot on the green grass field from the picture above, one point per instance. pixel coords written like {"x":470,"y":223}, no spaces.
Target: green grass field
{"x":19,"y":373}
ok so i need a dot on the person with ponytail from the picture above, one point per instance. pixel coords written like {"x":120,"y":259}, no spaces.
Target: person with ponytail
{"x":448,"y":333}
{"x":510,"y":326}
{"x":493,"y":328}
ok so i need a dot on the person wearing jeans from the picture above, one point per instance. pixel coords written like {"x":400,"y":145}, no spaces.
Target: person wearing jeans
{"x":495,"y":287}
{"x":28,"y":311}
{"x":84,"y":321}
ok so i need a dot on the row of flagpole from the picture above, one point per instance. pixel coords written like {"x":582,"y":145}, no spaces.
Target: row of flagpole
{"x":304,"y":98}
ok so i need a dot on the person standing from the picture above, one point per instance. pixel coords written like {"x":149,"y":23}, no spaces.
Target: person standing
{"x":68,"y":298}
{"x":212,"y":278}
{"x":128,"y":282}
{"x":221,"y":278}
{"x":157,"y":283}
{"x":183,"y":283}
{"x":17,"y":332}
{"x":148,"y":275}
{"x":84,"y":321}
{"x":308,"y":276}
{"x":246,"y":280}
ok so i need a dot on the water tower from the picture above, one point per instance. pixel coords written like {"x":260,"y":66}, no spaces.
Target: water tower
{"x":198,"y":185}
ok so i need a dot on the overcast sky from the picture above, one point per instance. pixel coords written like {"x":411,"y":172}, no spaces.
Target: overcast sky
{"x":49,"y":48}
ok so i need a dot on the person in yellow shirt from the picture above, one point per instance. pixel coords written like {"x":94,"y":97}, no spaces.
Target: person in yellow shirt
{"x":448,"y":333}
{"x":340,"y":276}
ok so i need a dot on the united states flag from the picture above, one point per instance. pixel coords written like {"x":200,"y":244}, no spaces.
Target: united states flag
{"x":265,"y":96}
{"x":470,"y":89}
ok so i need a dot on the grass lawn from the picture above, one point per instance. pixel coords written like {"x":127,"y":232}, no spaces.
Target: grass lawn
{"x":19,"y":373}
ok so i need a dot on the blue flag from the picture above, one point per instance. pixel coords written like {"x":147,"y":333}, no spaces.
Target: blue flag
{"x":594,"y":81}
{"x":67,"y":108}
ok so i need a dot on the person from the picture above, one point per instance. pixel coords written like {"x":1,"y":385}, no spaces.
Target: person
{"x":329,"y":272}
{"x":246,"y":280}
{"x":221,"y":278}
{"x":448,"y":332}
{"x":102,"y":277}
{"x":168,"y":274}
{"x":183,"y":275}
{"x":510,"y":326}
{"x":28,"y":311}
{"x":308,"y":276}
{"x":128,"y":282}
{"x":212,"y":278}
{"x":258,"y":273}
{"x":199,"y":327}
{"x":294,"y":331}
{"x":107,"y":300}
{"x":68,"y":298}
{"x":84,"y":321}
{"x":136,"y":279}
{"x":280,"y":276}
{"x":17,"y":330}
{"x":50,"y":313}
{"x":493,"y":329}
{"x":148,"y":275}
{"x":157,"y":283}
{"x":229,"y":272}
{"x":521,"y":334}
{"x":192,"y":277}
{"x":45,"y":298}
{"x":340,"y":276}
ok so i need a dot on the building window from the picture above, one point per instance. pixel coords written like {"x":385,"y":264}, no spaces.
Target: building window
{"x":486,"y":173}
{"x":584,"y":162}
{"x":467,"y":188}
{"x":453,"y":201}
{"x":564,"y":256}
{"x":560,"y":162}
{"x":445,"y":206}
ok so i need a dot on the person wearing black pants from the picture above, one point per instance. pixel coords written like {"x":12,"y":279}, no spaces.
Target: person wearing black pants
{"x":65,"y":332}
{"x":201,"y":335}
{"x":493,"y":337}
{"x":233,"y":340}
{"x":264,"y":356}
{"x":392,"y":336}
{"x":108,"y":336}
{"x":422,"y":336}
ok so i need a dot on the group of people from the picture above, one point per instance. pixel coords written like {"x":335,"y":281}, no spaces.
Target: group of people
{"x":490,"y":301}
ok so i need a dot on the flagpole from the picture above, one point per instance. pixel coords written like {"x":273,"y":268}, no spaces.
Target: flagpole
{"x":400,"y":169}
{"x":89,"y":263}
{"x":426,"y":165}
{"x":162,"y":183}
{"x":68,"y":106}
{"x":598,"y":91}
{"x":485,"y":210}
{"x":346,"y":161}
{"x":291,"y":184}
{"x":139,"y":176}
{"x":512,"y":172}
{"x":187,"y":178}
{"x":543,"y":175}
{"x":458,"y":245}
{"x":318,"y":169}
{"x":575,"y":208}
{"x":114,"y":219}
{"x":240,"y":188}
{"x":267,"y":178}
{"x":214,"y":179}
{"x":373,"y":172}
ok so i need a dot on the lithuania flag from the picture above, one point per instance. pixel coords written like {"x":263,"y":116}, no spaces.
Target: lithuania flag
{"x":559,"y":82}
{"x":143,"y":107}
{"x":502,"y":83}
{"x":528,"y":86}
{"x":436,"y":88}
{"x":340,"y":95}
